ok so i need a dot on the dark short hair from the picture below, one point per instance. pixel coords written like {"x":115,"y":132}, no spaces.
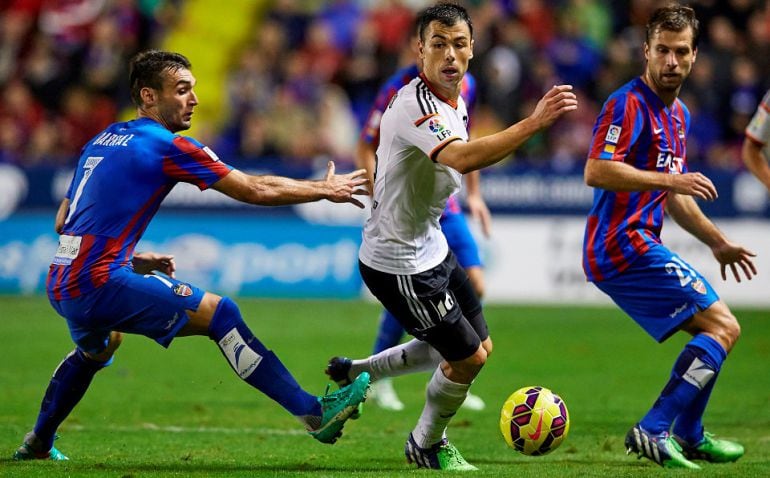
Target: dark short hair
{"x":448,"y":14}
{"x":673,"y":18}
{"x":147,"y":68}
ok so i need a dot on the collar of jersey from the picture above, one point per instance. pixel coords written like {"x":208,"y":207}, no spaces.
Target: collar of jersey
{"x":452,"y":103}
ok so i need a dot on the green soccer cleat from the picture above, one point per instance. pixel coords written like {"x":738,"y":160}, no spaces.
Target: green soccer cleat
{"x":441,"y":456}
{"x":30,"y":450}
{"x":661,"y":449}
{"x":338,"y":369}
{"x":337,"y":407}
{"x":712,"y":449}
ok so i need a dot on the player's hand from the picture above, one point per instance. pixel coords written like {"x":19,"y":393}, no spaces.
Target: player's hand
{"x":694,"y":184}
{"x":480,"y":212}
{"x":734,"y":256}
{"x":558,"y":100}
{"x":146,"y":262}
{"x":344,"y":187}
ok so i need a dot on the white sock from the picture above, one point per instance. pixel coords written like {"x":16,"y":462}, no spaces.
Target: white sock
{"x":409,"y":357}
{"x":442,"y":399}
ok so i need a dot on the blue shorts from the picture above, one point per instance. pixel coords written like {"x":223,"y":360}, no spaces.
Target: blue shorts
{"x":150,"y":305}
{"x":659,"y":291}
{"x":460,"y":240}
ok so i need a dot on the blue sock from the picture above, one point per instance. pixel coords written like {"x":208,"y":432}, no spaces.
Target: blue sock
{"x":67,"y":386}
{"x":389,"y":334}
{"x":689,"y":425}
{"x":693,"y":370}
{"x":255,"y":364}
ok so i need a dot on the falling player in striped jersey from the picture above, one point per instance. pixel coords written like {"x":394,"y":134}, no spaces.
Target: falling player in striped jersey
{"x":453,"y":223}
{"x":104,"y":289}
{"x":637,"y":163}
{"x":756,"y":144}
{"x":404,"y":258}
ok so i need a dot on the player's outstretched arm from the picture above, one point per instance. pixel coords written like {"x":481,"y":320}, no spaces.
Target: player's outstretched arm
{"x":618,"y":176}
{"x":269,"y":190}
{"x":476,"y":204}
{"x":487,"y":150}
{"x":366,"y":159}
{"x":755,"y":161}
{"x":685,"y":211}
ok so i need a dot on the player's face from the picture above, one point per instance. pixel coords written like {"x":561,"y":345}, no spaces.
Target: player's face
{"x":177,"y":99}
{"x":670,"y":57}
{"x":445,"y":53}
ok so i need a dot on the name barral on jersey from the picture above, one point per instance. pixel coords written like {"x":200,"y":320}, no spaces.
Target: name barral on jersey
{"x":112,"y":139}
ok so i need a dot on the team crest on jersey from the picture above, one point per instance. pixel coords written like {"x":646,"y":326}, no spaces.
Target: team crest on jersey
{"x":182,"y":290}
{"x":437,"y":127}
{"x":613,"y":134}
{"x":699,"y":287}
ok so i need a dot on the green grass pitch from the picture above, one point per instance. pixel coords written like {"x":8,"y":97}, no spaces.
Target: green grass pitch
{"x":183,"y":412}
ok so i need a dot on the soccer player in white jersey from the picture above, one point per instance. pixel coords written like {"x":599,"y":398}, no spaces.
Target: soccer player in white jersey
{"x":404,"y":258}
{"x":756,"y":145}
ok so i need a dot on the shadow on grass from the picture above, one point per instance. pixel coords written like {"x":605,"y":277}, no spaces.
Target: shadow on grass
{"x":10,"y":467}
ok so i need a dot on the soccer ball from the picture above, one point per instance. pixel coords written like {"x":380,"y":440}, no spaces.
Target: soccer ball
{"x":534,"y":421}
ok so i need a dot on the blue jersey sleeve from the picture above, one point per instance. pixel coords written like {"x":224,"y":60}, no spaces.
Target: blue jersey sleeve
{"x":617,"y":128}
{"x":194,"y":163}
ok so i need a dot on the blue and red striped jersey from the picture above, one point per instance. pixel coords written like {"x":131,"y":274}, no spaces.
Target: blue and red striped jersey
{"x":637,"y":128}
{"x":371,"y":131}
{"x":123,"y":175}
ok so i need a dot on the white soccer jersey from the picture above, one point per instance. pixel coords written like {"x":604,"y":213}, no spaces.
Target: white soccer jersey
{"x":403,"y":235}
{"x":759,"y":128}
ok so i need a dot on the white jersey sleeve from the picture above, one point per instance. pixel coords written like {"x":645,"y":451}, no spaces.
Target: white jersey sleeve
{"x":758,"y":129}
{"x":425,"y":125}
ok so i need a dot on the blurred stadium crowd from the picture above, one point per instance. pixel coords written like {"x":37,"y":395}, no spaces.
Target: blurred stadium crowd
{"x":299,"y":87}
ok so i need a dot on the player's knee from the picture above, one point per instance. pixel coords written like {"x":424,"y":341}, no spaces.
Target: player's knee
{"x":105,"y":357}
{"x":488,"y":346}
{"x":228,"y":308}
{"x":226,"y":316}
{"x":476,"y":277}
{"x":116,"y":339}
{"x":473,"y":364}
{"x":730,"y":331}
{"x":479,"y":288}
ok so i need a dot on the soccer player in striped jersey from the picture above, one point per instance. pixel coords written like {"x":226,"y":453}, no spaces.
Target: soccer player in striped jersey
{"x":103,"y":288}
{"x":756,"y":144}
{"x":638,"y":164}
{"x":404,"y":258}
{"x":453,"y":223}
